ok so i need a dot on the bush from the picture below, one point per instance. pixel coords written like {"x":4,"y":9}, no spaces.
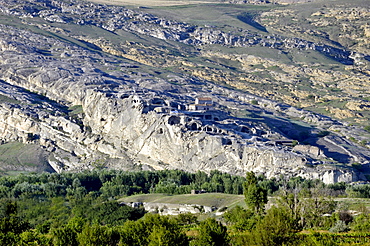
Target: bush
{"x":318,"y":239}
{"x":97,"y":235}
{"x":276,"y":228}
{"x":323,"y":134}
{"x":212,"y":232}
{"x":367,"y":128}
{"x":153,"y":230}
{"x":361,"y":223}
{"x":340,"y":226}
{"x":346,"y":217}
{"x":240,"y":219}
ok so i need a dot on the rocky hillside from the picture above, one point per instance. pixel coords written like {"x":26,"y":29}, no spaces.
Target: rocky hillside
{"x":96,"y":86}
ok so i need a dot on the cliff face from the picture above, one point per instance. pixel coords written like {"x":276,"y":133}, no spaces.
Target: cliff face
{"x":121,"y":131}
{"x":88,"y":109}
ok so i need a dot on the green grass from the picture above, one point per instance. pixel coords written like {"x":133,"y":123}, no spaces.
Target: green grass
{"x":76,"y":109}
{"x":227,"y":200}
{"x":4,"y":99}
{"x":13,"y":173}
{"x":354,"y":203}
{"x":206,"y":199}
{"x":221,"y":15}
{"x":19,"y":157}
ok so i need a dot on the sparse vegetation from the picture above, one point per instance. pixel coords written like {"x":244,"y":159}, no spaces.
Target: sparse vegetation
{"x":8,"y":99}
{"x":74,"y":110}
{"x":367,"y":128}
{"x":323,"y":134}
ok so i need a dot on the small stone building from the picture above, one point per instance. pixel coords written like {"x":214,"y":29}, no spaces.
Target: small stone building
{"x":202,"y":104}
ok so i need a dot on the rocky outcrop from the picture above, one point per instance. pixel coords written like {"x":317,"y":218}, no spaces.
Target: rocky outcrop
{"x":90,"y":110}
{"x":121,"y":124}
{"x":342,"y":25}
{"x":172,"y":209}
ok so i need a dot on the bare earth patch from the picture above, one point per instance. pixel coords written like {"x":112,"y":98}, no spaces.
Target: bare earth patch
{"x":151,"y":3}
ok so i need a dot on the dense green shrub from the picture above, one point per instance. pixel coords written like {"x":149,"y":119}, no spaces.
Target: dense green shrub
{"x":340,"y":226}
{"x":153,"y":229}
{"x":212,"y":232}
{"x":359,"y":191}
{"x":276,"y":228}
{"x":361,"y":223}
{"x":241,"y":219}
{"x":93,"y":235}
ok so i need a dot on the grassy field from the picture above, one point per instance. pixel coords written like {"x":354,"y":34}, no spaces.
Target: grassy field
{"x":210,"y":13}
{"x":16,"y":157}
{"x":227,"y":200}
{"x":356,"y":204}
{"x":207,"y":199}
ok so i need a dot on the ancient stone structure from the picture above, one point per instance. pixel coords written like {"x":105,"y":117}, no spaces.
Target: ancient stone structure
{"x":89,"y":109}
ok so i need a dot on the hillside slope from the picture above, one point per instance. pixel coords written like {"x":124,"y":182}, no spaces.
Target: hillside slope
{"x":107,"y":86}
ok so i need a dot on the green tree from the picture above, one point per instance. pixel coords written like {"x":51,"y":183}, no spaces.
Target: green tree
{"x":112,"y":213}
{"x":313,"y":209}
{"x":276,"y":228}
{"x":9,"y":239}
{"x":212,"y":233}
{"x":292,"y":203}
{"x":361,"y":223}
{"x":359,"y":191}
{"x":167,"y":235}
{"x":94,"y":235}
{"x":33,"y":238}
{"x":306,"y":208}
{"x":255,"y":195}
{"x":186,"y":219}
{"x":76,"y":224}
{"x":153,"y":229}
{"x":240,"y":218}
{"x":10,"y":221}
{"x":11,"y":225}
{"x":4,"y":191}
{"x":64,"y":236}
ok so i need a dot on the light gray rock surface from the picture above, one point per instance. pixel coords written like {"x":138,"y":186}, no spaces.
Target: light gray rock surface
{"x":133,"y":120}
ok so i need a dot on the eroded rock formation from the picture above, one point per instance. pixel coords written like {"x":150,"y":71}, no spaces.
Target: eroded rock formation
{"x":119,"y":122}
{"x":90,"y":109}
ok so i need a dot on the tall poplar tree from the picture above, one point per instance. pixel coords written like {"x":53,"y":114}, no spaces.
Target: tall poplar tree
{"x":255,"y":195}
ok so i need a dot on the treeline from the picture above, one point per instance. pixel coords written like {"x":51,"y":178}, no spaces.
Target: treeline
{"x":113,"y":183}
{"x":152,"y":229}
{"x":81,"y":209}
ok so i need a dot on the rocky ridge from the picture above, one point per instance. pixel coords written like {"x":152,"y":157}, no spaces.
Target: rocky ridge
{"x":353,"y":83}
{"x":116,"y":19}
{"x":119,"y":121}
